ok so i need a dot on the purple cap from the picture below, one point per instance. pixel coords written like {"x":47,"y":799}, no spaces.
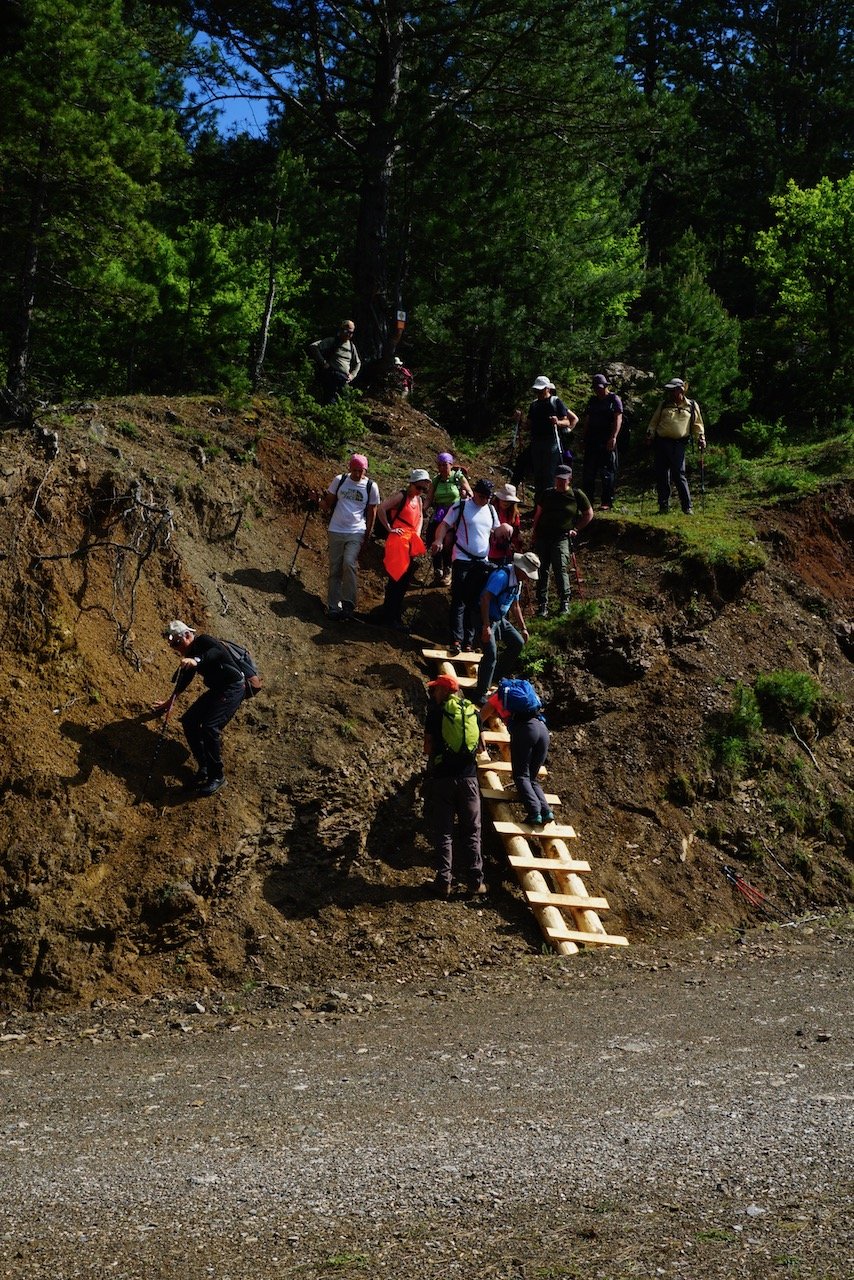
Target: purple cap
{"x":599,"y":380}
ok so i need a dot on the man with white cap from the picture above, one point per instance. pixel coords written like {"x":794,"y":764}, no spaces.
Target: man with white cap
{"x":675,"y":420}
{"x":205,"y":720}
{"x":548,"y":424}
{"x":352,"y":498}
{"x":499,"y":609}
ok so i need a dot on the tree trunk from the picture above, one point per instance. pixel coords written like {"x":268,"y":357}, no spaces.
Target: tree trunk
{"x":264,"y":329}
{"x":22,"y":322}
{"x":371,"y":267}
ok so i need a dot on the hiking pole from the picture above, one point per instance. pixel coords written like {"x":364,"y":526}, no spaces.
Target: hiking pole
{"x":158,"y":747}
{"x":703,"y":480}
{"x":578,"y":578}
{"x":309,"y":510}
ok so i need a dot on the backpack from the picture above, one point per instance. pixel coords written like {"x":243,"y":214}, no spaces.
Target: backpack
{"x":501,"y":602}
{"x":520,"y":698}
{"x":460,"y":727}
{"x":245,"y":663}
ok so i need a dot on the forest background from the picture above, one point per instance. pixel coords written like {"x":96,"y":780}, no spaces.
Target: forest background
{"x":537,"y":187}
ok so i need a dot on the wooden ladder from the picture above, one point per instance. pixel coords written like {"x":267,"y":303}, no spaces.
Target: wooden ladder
{"x":549,"y":876}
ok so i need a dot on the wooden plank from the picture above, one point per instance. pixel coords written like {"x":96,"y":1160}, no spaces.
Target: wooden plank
{"x":495,"y":735}
{"x":442,"y":655}
{"x":466,"y":682}
{"x":568,"y":900}
{"x":554,"y":830}
{"x":504,"y":766}
{"x":592,"y":939}
{"x":511,"y":797}
{"x":545,"y":864}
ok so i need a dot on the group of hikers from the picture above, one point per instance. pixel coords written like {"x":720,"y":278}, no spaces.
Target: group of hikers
{"x":473,"y":535}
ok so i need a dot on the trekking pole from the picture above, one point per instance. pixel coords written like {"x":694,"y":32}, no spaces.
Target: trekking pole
{"x":296,"y":552}
{"x":578,"y":578}
{"x":158,"y":747}
{"x":703,"y":481}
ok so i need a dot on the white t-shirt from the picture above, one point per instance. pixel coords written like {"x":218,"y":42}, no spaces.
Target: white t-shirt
{"x":473,"y":526}
{"x":353,"y":502}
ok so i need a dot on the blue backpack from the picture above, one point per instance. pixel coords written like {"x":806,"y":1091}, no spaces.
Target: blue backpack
{"x":519,"y":697}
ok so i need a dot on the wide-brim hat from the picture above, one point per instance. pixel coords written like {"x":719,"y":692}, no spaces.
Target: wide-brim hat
{"x":419,"y":476}
{"x":507,"y":494}
{"x":528,"y":563}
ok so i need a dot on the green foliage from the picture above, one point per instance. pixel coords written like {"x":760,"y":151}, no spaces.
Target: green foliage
{"x":760,"y":438}
{"x":735,"y":740}
{"x":787,"y":695}
{"x":806,"y":263}
{"x":327,"y":428}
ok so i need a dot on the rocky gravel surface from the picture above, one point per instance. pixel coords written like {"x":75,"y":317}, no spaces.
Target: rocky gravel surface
{"x":683,"y":1112}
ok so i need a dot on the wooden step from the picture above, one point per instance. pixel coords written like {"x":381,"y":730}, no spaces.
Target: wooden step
{"x":495,"y":735}
{"x":591,"y":939}
{"x":545,"y":864}
{"x":511,"y":796}
{"x":567,"y":900}
{"x":504,"y":766}
{"x":442,"y":655}
{"x":554,"y":831}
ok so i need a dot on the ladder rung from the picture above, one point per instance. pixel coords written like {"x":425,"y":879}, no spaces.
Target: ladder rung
{"x":511,"y":796}
{"x":567,"y":900}
{"x":545,"y":864}
{"x":554,"y":831}
{"x":592,"y":939}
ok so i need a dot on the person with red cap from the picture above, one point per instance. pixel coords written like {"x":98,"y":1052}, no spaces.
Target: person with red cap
{"x":451,"y":743}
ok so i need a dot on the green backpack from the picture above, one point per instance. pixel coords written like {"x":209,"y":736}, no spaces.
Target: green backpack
{"x":460,"y":726}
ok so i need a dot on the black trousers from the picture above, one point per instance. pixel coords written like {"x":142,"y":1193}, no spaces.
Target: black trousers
{"x":204,"y":722}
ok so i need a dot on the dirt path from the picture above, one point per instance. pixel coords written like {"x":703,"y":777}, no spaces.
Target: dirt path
{"x":684,"y":1114}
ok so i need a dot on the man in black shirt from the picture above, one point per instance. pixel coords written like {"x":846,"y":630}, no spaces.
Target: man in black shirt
{"x":207,"y":717}
{"x":560,"y":514}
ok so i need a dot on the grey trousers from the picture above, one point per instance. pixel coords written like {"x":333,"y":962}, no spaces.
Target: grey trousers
{"x":449,"y":798}
{"x":344,"y":551}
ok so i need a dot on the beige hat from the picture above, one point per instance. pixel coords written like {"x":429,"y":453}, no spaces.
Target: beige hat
{"x":176,"y":628}
{"x":529,"y":564}
{"x":507,"y":494}
{"x":418,"y":476}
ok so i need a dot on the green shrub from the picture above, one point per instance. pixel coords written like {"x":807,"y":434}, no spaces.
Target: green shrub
{"x":787,"y":695}
{"x":759,"y":439}
{"x":735,"y":740}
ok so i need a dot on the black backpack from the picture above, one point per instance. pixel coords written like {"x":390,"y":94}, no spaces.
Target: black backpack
{"x":245,"y":663}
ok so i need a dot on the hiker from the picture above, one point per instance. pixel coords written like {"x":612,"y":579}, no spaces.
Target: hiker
{"x":561,"y":513}
{"x":472,"y":521}
{"x":499,"y":609}
{"x":204,"y":721}
{"x":352,"y":498}
{"x":518,"y":704}
{"x":506,"y":503}
{"x":451,"y":743}
{"x":402,"y":516}
{"x":601,"y":425}
{"x":675,"y":420}
{"x":404,"y":377}
{"x":449,"y":485}
{"x":337,"y":361}
{"x":548,"y":425}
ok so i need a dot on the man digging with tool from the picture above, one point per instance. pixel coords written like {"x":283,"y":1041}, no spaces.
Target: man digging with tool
{"x":204,"y":721}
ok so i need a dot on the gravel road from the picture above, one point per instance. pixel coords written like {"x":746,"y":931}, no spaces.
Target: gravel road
{"x":684,"y":1113}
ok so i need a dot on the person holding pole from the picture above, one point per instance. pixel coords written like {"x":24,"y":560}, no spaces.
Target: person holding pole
{"x":674,"y":422}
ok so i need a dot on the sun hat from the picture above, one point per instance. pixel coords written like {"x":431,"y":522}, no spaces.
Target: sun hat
{"x":674,"y":384}
{"x":444,"y":457}
{"x":529,"y":564}
{"x":506,"y":494}
{"x":359,"y":459}
{"x":541,"y":383}
{"x":176,"y":628}
{"x":419,"y":476}
{"x":484,"y":486}
{"x":451,"y":683}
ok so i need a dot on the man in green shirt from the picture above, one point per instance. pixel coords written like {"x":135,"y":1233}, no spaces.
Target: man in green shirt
{"x":561,"y":513}
{"x":337,"y":361}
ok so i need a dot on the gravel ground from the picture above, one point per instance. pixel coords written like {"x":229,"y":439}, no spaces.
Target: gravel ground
{"x":683,"y":1114}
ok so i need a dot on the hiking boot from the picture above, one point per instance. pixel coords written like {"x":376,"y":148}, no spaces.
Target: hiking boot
{"x":547,"y":816}
{"x":211,"y":787}
{"x":564,"y":607}
{"x":446,"y":579}
{"x":542,"y":610}
{"x":454,"y":649}
{"x":334,"y":613}
{"x":438,"y":578}
{"x":478,"y":890}
{"x":534,"y":819}
{"x":438,"y":889}
{"x":347,"y":608}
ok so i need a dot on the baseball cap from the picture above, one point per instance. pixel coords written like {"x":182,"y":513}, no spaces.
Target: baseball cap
{"x":563,"y":473}
{"x":673,"y":384}
{"x":599,"y":380}
{"x":175,"y":629}
{"x":541,"y":383}
{"x":451,"y":683}
{"x":484,"y":486}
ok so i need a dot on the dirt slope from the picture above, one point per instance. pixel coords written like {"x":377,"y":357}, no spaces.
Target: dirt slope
{"x":309,"y":866}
